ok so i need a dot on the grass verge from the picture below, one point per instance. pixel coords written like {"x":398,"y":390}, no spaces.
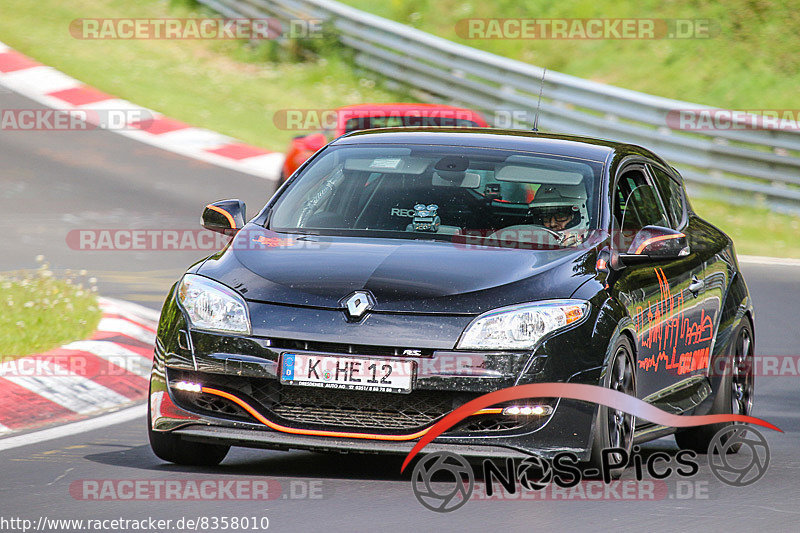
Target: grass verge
{"x":748,"y":61}
{"x":754,"y":230}
{"x":41,"y":312}
{"x":226,"y":86}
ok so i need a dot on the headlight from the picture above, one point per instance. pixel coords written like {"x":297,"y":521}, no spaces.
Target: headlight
{"x":520,"y":327}
{"x":212,"y":306}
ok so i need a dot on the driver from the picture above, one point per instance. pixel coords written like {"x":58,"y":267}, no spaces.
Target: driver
{"x":562,"y":209}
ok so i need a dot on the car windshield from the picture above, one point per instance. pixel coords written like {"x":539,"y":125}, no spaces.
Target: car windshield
{"x":438,"y":192}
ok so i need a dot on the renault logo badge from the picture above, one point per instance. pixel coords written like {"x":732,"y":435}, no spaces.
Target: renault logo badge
{"x":357,"y":304}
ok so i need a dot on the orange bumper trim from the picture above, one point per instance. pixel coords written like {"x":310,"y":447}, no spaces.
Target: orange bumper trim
{"x":321,"y":433}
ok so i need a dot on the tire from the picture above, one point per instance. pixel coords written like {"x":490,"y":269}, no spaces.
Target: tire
{"x":173,"y":449}
{"x":614,"y":429}
{"x":735,"y":395}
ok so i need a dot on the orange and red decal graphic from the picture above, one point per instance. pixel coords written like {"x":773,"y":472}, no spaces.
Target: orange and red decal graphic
{"x":273,"y":242}
{"x":679,"y":342}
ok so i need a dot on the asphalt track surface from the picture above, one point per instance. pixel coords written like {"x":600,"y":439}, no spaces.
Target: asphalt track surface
{"x":53,"y":182}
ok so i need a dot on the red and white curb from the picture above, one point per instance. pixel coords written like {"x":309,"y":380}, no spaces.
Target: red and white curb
{"x":109,"y":369}
{"x":55,"y":89}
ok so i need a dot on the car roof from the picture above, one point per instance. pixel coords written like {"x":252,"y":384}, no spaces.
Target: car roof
{"x":527,"y":141}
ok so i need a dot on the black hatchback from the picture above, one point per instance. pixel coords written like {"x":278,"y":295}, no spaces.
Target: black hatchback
{"x":401,"y":273}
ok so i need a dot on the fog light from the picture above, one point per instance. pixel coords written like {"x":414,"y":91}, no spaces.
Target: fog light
{"x":188,"y":386}
{"x":527,"y":410}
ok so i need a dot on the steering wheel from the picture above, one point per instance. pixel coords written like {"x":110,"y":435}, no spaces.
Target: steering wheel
{"x":555,"y":234}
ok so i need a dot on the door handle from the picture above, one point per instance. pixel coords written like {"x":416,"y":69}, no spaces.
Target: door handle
{"x":697,"y":285}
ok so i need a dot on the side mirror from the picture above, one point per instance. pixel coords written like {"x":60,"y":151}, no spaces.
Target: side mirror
{"x":225,"y":216}
{"x":655,"y":243}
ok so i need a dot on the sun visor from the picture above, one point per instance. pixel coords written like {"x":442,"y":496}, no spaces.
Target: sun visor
{"x":532,"y":174}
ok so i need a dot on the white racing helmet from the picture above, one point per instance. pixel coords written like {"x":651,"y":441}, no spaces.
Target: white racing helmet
{"x":562,"y":201}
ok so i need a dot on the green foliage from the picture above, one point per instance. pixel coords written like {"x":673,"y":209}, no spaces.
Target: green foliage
{"x":41,"y":312}
{"x":753,"y":62}
{"x":754,"y":230}
{"x":233,"y":87}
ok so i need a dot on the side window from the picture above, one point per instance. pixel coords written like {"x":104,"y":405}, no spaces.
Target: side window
{"x":672,"y":193}
{"x":637,"y":203}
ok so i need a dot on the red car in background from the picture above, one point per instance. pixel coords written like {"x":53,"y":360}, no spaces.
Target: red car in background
{"x":368,"y":116}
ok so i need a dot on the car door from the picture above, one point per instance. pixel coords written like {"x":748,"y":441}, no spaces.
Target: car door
{"x":710,"y":282}
{"x":657,"y":295}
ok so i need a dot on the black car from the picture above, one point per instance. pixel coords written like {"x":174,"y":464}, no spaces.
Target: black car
{"x":401,"y":273}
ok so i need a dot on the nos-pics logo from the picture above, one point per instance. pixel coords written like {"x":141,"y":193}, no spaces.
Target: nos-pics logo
{"x":738,"y":456}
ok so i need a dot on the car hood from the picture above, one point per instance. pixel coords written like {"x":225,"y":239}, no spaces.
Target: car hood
{"x":408,"y":276}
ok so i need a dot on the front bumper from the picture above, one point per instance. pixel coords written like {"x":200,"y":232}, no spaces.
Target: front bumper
{"x":568,"y":428}
{"x":246,"y":368}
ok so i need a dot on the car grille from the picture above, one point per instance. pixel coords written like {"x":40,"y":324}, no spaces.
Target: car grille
{"x":215,"y":405}
{"x":320,"y":408}
{"x":357,"y":409}
{"x":483,"y":424}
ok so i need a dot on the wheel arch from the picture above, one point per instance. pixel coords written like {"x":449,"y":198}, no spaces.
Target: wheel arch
{"x":736,"y":307}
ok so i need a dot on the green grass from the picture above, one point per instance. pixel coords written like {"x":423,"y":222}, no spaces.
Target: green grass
{"x":753,"y":62}
{"x":755,"y":231}
{"x":40,"y":312}
{"x":225,"y":86}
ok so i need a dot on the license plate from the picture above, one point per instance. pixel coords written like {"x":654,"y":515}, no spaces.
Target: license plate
{"x":352,"y":373}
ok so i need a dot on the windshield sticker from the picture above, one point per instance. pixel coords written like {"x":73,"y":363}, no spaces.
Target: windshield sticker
{"x":398,"y":212}
{"x":386,"y":162}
